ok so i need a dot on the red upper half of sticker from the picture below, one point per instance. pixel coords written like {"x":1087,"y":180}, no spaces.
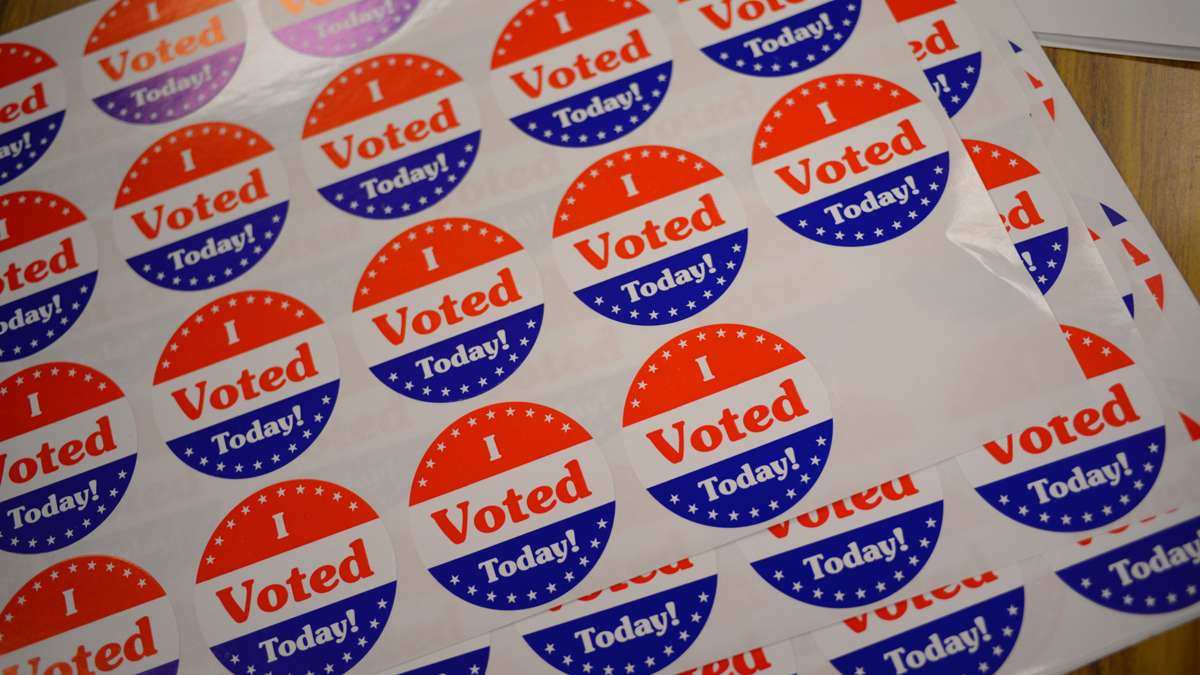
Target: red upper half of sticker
{"x":204,"y":338}
{"x":672,"y":377}
{"x":1096,"y":355}
{"x":31,"y":214}
{"x":99,"y":585}
{"x":311,"y":510}
{"x":454,"y":245}
{"x":19,"y":61}
{"x":55,"y":390}
{"x":519,"y":433}
{"x":186,"y":155}
{"x":998,"y":165}
{"x":130,"y":18}
{"x":797,"y":120}
{"x":601,"y":190}
{"x":543,"y":25}
{"x":373,"y":85}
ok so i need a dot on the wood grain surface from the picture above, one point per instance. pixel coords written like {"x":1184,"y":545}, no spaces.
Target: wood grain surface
{"x":1146,"y":112}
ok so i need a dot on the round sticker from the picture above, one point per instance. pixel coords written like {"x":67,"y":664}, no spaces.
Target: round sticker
{"x":1034,"y":78}
{"x":1147,"y":567}
{"x":966,"y":627}
{"x":300,"y":576}
{"x":90,"y":614}
{"x":850,"y":160}
{"x":337,"y":27}
{"x":391,"y":136}
{"x":650,"y":235}
{"x":468,"y":658}
{"x":769,"y":38}
{"x":1136,"y":256}
{"x":1029,"y":207}
{"x":578,"y":73}
{"x":246,"y":384}
{"x":855,"y":551}
{"x":447,"y":310}
{"x":945,"y":45}
{"x":67,"y":454}
{"x":511,"y":506}
{"x":48,"y":267}
{"x":728,"y":425}
{"x":201,"y":206}
{"x":33,"y":101}
{"x":1085,"y":467}
{"x":152,"y":61}
{"x":641,"y":625}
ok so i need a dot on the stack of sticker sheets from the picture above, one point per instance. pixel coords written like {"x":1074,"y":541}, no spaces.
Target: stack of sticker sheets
{"x":582,"y":336}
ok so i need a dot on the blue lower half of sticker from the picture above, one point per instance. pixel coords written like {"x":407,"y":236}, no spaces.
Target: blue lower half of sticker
{"x":61,"y":513}
{"x":467,"y":364}
{"x":790,"y":45}
{"x":1156,"y":574}
{"x":876,"y":211}
{"x":29,"y":325}
{"x":954,"y":81}
{"x":599,"y":115}
{"x":533,"y":568}
{"x":21,"y":148}
{"x":975,"y":639}
{"x":673,"y":288}
{"x":1083,"y":491}
{"x":214,"y":256}
{"x":641,"y":636}
{"x":859,"y":567}
{"x":261,"y":440}
{"x":407,"y":185}
{"x":753,"y":486}
{"x":328,"y":639}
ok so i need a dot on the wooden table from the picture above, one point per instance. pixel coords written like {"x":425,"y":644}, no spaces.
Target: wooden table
{"x":1147,"y":114}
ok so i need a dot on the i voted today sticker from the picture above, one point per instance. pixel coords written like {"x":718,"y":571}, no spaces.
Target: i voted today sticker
{"x":335,"y":27}
{"x":1134,"y":250}
{"x":578,"y":73}
{"x":638,"y":626}
{"x":1151,"y":566}
{"x":48,"y":268}
{"x":728,"y":425}
{"x":1085,"y":467}
{"x":447,"y":309}
{"x":153,"y":61}
{"x":67,"y":455}
{"x":1034,"y":78}
{"x":969,"y":626}
{"x":90,"y":614}
{"x":856,"y":551}
{"x":511,"y":506}
{"x":391,"y":136}
{"x":944,"y":42}
{"x":850,"y":160}
{"x":201,"y":206}
{"x":33,"y":101}
{"x":1030,"y":208}
{"x":650,"y":235}
{"x":300,"y":576}
{"x":246,"y":384}
{"x":467,"y":658}
{"x":769,"y":38}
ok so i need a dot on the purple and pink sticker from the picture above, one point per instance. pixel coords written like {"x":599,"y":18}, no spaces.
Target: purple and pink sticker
{"x":153,"y":61}
{"x":335,"y":27}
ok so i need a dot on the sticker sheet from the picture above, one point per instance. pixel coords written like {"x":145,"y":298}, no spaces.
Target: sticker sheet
{"x":583,"y":336}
